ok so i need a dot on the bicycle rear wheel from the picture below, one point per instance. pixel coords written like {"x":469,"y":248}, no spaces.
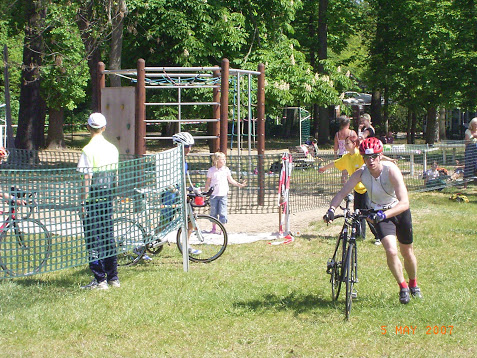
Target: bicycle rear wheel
{"x":336,"y":265}
{"x":350,"y":276}
{"x":24,"y":247}
{"x":205,"y":244}
{"x":130,"y":238}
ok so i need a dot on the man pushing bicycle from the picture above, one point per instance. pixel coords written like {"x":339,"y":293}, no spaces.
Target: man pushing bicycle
{"x":389,"y":198}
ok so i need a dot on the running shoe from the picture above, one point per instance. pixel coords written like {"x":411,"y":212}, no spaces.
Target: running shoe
{"x":404,"y":295}
{"x":95,"y":285}
{"x":193,"y":251}
{"x":416,"y":292}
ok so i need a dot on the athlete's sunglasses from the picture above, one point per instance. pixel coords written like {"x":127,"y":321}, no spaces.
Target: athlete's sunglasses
{"x":368,"y":156}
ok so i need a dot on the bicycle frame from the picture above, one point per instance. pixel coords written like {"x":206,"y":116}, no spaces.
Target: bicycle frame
{"x":344,"y":269}
{"x":10,"y":220}
{"x":192,"y":216}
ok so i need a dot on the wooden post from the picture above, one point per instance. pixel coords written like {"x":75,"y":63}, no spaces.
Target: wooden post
{"x":224,"y":105}
{"x":261,"y":133}
{"x":214,"y":127}
{"x":140,"y":133}
{"x":101,"y":83}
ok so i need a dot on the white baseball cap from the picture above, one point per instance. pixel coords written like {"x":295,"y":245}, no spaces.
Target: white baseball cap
{"x":96,"y":120}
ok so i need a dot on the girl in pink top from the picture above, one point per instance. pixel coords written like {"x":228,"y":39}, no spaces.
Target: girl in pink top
{"x":219,"y":177}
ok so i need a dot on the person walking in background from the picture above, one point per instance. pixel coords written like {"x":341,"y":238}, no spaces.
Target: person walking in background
{"x":219,"y":177}
{"x":339,"y":142}
{"x":365,"y":129}
{"x":389,"y":138}
{"x":98,"y":164}
{"x":470,"y":140}
{"x":389,"y":198}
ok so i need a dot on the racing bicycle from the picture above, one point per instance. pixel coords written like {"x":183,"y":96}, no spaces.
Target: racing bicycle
{"x":343,"y":266}
{"x":25,"y":243}
{"x":207,"y":235}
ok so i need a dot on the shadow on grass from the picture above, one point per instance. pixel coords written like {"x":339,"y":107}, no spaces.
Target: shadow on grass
{"x":299,"y":303}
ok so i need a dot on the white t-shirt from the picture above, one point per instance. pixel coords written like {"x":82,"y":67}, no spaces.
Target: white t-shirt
{"x":380,"y":190}
{"x":219,"y":180}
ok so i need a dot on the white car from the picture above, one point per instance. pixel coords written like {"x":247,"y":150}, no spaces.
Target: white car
{"x":351,"y":97}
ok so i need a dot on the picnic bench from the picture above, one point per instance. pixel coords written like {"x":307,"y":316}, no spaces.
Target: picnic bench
{"x":303,"y":155}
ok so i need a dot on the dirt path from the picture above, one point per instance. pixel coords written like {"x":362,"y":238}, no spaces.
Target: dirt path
{"x":268,"y":223}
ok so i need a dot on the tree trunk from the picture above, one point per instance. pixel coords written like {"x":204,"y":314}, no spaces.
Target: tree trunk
{"x":324,"y":127}
{"x":442,"y":124}
{"x":316,"y":120}
{"x":408,"y":127}
{"x":84,"y":20}
{"x":413,"y":127}
{"x":431,"y":125}
{"x":56,"y":137}
{"x":375,"y":107}
{"x":10,"y":141}
{"x":117,"y":41}
{"x":31,"y":118}
{"x":290,"y":116}
{"x":385,"y":118}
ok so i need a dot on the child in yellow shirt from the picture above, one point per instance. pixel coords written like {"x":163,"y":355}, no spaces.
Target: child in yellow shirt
{"x":351,"y":162}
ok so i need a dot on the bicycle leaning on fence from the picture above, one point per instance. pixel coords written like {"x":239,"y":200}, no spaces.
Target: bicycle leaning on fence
{"x":205,"y":244}
{"x":25,"y":243}
{"x":343,"y":266}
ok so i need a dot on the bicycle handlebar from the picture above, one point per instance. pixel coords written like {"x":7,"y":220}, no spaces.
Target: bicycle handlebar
{"x":30,"y":198}
{"x":358,"y":214}
{"x":193,"y":194}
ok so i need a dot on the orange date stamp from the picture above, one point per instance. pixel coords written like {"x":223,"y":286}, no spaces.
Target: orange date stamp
{"x":412,"y":330}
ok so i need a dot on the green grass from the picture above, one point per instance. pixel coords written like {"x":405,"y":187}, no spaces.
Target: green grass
{"x":258,"y":301}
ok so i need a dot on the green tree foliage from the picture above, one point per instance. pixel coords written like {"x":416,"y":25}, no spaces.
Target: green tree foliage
{"x":423,"y":54}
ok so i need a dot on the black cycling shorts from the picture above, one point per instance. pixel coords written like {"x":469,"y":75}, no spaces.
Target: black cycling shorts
{"x":400,"y":226}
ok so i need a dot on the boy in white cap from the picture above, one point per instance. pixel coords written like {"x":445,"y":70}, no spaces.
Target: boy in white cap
{"x":98,"y":163}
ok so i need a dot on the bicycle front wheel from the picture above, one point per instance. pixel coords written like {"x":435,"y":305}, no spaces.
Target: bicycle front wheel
{"x":24,"y":247}
{"x":337,"y":264}
{"x":130,"y":239}
{"x":350,"y":277}
{"x":206,"y":244}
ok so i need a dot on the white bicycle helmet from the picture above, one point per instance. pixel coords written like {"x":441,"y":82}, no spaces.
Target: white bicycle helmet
{"x":183,"y":137}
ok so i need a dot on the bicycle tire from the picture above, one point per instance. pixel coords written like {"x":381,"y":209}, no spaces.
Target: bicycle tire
{"x":350,"y":277}
{"x":25,"y":247}
{"x":211,"y":246}
{"x":338,"y":261}
{"x":130,"y":239}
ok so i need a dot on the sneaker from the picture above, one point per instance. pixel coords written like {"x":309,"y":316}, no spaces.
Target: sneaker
{"x":404,"y":295}
{"x":95,"y":285}
{"x":416,"y":292}
{"x":114,"y":283}
{"x":377,"y":242}
{"x":193,"y":251}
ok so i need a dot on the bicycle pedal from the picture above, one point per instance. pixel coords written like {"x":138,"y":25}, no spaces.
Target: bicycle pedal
{"x":354,"y":294}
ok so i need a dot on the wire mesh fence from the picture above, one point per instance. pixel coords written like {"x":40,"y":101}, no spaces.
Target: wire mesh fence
{"x":145,"y":205}
{"x":47,"y":227}
{"x":423,"y":167}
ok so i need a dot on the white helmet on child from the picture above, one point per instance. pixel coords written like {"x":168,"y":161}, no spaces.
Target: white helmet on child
{"x":183,"y":137}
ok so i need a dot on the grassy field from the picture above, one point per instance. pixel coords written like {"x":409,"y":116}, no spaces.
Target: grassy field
{"x":260,"y":301}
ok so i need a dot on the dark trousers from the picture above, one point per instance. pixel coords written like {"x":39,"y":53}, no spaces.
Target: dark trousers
{"x":361,"y":202}
{"x":98,"y":231}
